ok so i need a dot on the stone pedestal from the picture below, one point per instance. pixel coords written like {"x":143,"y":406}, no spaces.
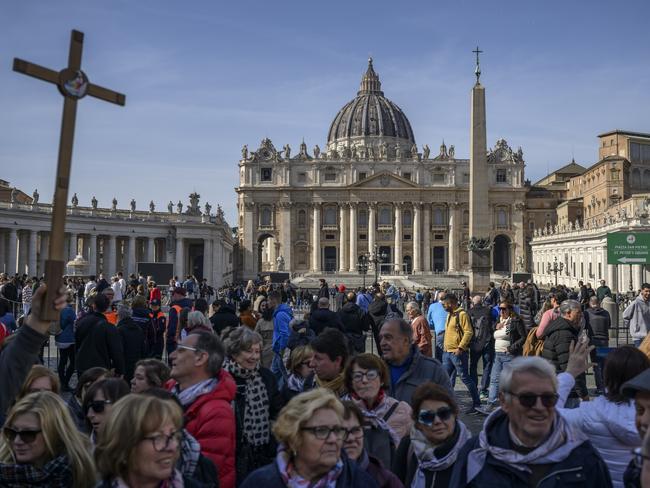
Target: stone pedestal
{"x":479,"y":276}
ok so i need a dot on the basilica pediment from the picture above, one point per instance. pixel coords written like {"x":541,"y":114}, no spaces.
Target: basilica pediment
{"x":384,"y":180}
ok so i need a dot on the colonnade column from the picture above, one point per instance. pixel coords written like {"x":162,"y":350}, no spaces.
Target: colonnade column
{"x":315,"y":251}
{"x":612,"y":278}
{"x":31,"y":263}
{"x":353,"y":237}
{"x":151,"y":254}
{"x":416,"y":237}
{"x":23,"y":245}
{"x":343,"y":238}
{"x":427,"y":238}
{"x":13,"y":249}
{"x":92,"y":255}
{"x":74,"y":241}
{"x":180,"y":258}
{"x":131,"y":267}
{"x":285,"y":235}
{"x":44,"y":252}
{"x":207,"y":260}
{"x":453,"y":245}
{"x":398,"y":238}
{"x":372,"y":225}
{"x":3,"y":252}
{"x":110,"y":255}
{"x":638,"y":276}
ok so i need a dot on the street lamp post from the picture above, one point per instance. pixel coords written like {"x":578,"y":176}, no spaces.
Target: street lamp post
{"x":363,"y":267}
{"x":377,"y":257}
{"x":555,"y":269}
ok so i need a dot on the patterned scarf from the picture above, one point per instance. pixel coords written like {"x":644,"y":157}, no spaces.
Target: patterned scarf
{"x":190,"y":452}
{"x":561,"y":442}
{"x":425,"y":453}
{"x":337,"y":385}
{"x":191,"y":393}
{"x":296,"y":383}
{"x":175,"y":481}
{"x":256,"y":412}
{"x":375,"y":416}
{"x":292,"y":479}
{"x":56,"y":473}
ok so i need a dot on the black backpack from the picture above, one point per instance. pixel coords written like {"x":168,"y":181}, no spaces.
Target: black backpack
{"x":379,"y":443}
{"x":482,"y":331}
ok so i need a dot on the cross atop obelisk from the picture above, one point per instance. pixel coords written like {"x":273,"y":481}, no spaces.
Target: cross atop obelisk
{"x":73,"y":84}
{"x":477,"y":71}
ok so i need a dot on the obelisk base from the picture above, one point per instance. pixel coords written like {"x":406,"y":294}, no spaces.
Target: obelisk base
{"x":480,"y":268}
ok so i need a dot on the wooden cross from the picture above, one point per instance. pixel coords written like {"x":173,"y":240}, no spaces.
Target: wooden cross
{"x":477,"y":71}
{"x":73,"y":84}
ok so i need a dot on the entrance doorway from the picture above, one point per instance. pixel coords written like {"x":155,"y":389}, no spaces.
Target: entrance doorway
{"x":329,"y":255}
{"x":438,"y":259}
{"x":265,"y":253}
{"x":407,"y":265}
{"x":195,"y":252}
{"x":501,"y":254}
{"x":385,"y":266}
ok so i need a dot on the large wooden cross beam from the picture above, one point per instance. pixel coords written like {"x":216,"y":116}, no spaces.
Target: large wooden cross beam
{"x":73,"y":84}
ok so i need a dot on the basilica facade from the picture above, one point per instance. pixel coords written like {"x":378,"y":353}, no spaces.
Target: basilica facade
{"x":372,"y":191}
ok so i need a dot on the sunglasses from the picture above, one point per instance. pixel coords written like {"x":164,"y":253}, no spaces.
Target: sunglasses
{"x":98,"y":406}
{"x":428,"y":417}
{"x":529,"y":400}
{"x":27,"y":436}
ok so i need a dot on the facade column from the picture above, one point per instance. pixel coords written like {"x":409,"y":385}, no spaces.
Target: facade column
{"x":180,"y":258}
{"x":427,"y":239}
{"x":23,"y":243}
{"x":110,"y":255}
{"x":92,"y":255}
{"x":74,"y":241}
{"x":131,"y":266}
{"x":453,"y":245}
{"x":343,"y":238}
{"x":398,"y":238}
{"x":372,"y":225}
{"x":33,"y":241}
{"x":353,"y":237}
{"x":286,"y":241}
{"x":13,"y":249}
{"x":417,"y":267}
{"x":315,"y":251}
{"x":207,"y":260}
{"x":151,"y":254}
{"x":44,"y":252}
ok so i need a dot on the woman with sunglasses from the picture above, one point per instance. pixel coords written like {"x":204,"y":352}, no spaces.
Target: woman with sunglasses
{"x":354,"y":422}
{"x":41,"y":447}
{"x":299,"y":371}
{"x":140,"y":445}
{"x":425,"y":458}
{"x":367,"y":379}
{"x":76,"y":399}
{"x":99,"y":401}
{"x":509,"y":337}
{"x":311,"y":434}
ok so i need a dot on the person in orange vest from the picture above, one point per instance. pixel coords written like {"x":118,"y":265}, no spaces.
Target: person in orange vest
{"x":110,"y":313}
{"x":159,"y":320}
{"x":179,"y":301}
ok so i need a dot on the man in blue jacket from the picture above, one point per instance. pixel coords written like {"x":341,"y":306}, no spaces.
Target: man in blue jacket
{"x":282,"y":315}
{"x":437,"y":318}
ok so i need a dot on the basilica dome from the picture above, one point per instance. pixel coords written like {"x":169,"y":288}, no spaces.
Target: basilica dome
{"x":370,"y":118}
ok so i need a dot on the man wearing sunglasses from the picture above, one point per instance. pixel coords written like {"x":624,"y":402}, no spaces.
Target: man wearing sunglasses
{"x":526,"y":442}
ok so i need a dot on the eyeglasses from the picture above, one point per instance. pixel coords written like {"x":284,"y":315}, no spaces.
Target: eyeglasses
{"x":529,"y":400}
{"x":161,"y":441}
{"x":370,"y":375}
{"x":428,"y":417}
{"x":354,"y":432}
{"x":27,"y":436}
{"x":503,"y":308}
{"x":188,"y":348}
{"x":98,"y":406}
{"x":322,"y":432}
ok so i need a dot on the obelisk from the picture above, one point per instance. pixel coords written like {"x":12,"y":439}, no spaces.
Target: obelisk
{"x":479,"y":209}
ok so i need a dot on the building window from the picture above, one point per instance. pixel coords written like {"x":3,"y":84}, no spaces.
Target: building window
{"x":407,"y":237}
{"x":363,"y":237}
{"x":363,"y":219}
{"x":501,"y":176}
{"x":302,"y":256}
{"x":438,"y":178}
{"x":363,"y":175}
{"x":330,"y":176}
{"x":302,"y":177}
{"x":406,"y":176}
{"x":502,"y":219}
{"x":330,"y":216}
{"x":466,"y":218}
{"x":531,"y":225}
{"x":438,"y":237}
{"x":265,"y":217}
{"x":438,"y":217}
{"x":385,"y":216}
{"x":408,"y":218}
{"x":330,"y":237}
{"x":266,"y":174}
{"x":302,"y":219}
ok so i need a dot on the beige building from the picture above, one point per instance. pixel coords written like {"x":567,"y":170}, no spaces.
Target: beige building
{"x":370,"y":190}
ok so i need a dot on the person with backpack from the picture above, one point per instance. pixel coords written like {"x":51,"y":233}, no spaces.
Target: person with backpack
{"x":388,"y":420}
{"x":482,"y":344}
{"x":509,"y":337}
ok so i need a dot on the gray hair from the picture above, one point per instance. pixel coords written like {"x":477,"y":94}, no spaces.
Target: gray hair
{"x":527,"y":364}
{"x":196,"y":318}
{"x":593,"y":301}
{"x":124,"y":312}
{"x":477,"y":300}
{"x":414,"y":306}
{"x":210,"y":343}
{"x":567,"y":305}
{"x":323,"y":302}
{"x":241,"y":339}
{"x":404,"y":327}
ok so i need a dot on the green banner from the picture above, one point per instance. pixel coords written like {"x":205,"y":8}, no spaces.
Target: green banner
{"x":628,"y":248}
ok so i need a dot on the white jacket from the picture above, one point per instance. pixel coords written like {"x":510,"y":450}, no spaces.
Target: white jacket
{"x":609,"y":426}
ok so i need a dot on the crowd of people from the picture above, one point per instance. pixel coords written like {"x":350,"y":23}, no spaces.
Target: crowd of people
{"x":269,"y":385}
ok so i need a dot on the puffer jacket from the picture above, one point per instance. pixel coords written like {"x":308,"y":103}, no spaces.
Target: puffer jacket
{"x":323,"y":318}
{"x":583,"y":467}
{"x":557,"y":339}
{"x":133,"y":344}
{"x":211,"y":421}
{"x":609,"y":426}
{"x":282,"y":316}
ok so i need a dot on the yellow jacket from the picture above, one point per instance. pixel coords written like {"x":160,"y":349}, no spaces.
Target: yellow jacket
{"x":454,"y":339}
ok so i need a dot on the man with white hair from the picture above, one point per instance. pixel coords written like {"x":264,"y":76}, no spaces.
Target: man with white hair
{"x":526,"y":442}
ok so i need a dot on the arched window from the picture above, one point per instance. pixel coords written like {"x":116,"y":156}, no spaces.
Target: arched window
{"x":466,"y":218}
{"x":408,"y":220}
{"x":385,"y":217}
{"x":438,"y":216}
{"x":330,"y":216}
{"x":266,"y":217}
{"x":502,"y":219}
{"x":302,"y":219}
{"x":363,"y":218}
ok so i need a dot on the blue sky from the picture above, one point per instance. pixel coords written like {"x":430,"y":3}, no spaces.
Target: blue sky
{"x":202,"y":78}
